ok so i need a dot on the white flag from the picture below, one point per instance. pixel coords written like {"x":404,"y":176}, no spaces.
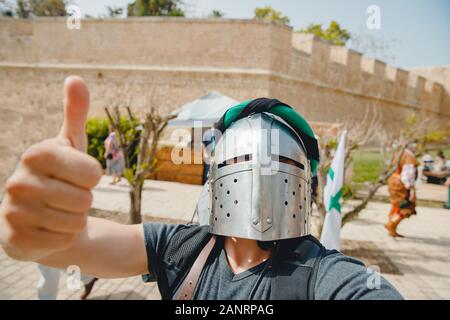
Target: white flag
{"x":331,"y":232}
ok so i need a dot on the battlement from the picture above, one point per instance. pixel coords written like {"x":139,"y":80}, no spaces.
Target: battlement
{"x":351,"y":71}
{"x":226,"y":47}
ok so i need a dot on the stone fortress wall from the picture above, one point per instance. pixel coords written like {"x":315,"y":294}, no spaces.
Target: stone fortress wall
{"x":170,"y":61}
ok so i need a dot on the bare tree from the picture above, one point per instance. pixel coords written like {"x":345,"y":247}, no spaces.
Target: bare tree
{"x":147,"y":132}
{"x":359,"y":133}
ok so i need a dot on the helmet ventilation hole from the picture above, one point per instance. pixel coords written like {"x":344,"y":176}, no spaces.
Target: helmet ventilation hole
{"x":235,"y":180}
{"x":293,"y":193}
{"x":285,"y":203}
{"x":235,"y":202}
{"x":293,"y":216}
{"x":221,"y":206}
{"x":228,"y":215}
{"x":228,"y":191}
{"x":285,"y":180}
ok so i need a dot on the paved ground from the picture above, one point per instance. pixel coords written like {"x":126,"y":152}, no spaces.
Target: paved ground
{"x":18,"y":280}
{"x":423,"y":257}
{"x":160,"y":199}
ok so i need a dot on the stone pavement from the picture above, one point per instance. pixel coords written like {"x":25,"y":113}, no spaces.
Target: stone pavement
{"x":423,"y":257}
{"x":18,"y":281}
{"x":160,"y":199}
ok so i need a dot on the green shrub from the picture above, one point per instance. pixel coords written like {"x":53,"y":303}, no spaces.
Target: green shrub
{"x":97,"y":131}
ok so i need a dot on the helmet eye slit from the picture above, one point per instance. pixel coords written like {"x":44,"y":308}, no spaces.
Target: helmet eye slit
{"x":288,"y":161}
{"x":235,"y":160}
{"x":248,"y":157}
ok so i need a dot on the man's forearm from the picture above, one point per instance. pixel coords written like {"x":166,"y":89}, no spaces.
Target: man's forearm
{"x":105,"y":250}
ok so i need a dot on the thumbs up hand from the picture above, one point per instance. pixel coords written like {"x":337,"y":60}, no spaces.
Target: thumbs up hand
{"x":76,"y":107}
{"x":46,"y":200}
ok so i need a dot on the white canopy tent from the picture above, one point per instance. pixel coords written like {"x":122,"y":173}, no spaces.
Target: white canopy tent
{"x":202,"y":112}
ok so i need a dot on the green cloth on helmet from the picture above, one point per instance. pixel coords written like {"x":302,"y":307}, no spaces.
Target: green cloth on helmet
{"x":283,"y":111}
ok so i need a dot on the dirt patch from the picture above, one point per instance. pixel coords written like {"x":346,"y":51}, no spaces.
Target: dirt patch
{"x":370,"y":254}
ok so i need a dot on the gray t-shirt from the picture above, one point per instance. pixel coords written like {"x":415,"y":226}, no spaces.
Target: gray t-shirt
{"x":339,"y":277}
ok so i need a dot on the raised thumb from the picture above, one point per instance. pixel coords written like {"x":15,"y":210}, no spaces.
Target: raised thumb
{"x":76,"y":107}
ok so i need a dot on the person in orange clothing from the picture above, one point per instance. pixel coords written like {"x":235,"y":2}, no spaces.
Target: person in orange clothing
{"x":402,"y":190}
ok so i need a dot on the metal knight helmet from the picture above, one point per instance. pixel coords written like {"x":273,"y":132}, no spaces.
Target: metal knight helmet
{"x":260,"y":174}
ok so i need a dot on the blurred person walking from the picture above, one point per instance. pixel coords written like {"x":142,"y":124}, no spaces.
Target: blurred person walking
{"x":402,"y":190}
{"x":114,"y":157}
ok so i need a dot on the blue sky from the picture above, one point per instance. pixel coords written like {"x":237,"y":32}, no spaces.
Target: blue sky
{"x":413,"y":33}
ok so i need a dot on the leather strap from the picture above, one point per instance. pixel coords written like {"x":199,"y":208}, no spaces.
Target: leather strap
{"x":190,"y":282}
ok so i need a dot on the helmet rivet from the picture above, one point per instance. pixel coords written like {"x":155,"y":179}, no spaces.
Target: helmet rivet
{"x":255,"y":221}
{"x":269,"y":221}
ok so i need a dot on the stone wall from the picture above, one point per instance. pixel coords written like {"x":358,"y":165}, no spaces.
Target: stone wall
{"x":170,"y":61}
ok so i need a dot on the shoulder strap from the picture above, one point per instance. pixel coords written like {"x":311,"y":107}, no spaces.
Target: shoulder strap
{"x":298,"y":262}
{"x":179,"y":256}
{"x":190,"y":282}
{"x":315,"y":263}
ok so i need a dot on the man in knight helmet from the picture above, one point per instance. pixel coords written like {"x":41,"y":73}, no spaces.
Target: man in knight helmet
{"x":256,"y":246}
